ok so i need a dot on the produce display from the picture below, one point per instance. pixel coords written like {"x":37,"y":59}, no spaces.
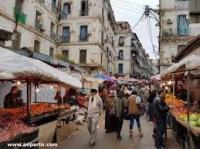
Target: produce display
{"x":181,"y":112}
{"x":11,"y":120}
{"x":10,"y":127}
{"x":37,"y":109}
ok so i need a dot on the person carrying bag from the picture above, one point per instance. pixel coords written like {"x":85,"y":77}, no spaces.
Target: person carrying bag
{"x":134,"y":112}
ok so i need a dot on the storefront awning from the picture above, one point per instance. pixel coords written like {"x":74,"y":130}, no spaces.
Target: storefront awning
{"x":14,"y":66}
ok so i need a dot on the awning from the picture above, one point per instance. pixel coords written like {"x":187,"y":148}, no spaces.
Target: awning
{"x":15,"y":66}
{"x":90,"y":79}
{"x":190,"y":62}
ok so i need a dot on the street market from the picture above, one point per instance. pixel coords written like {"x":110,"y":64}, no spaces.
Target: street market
{"x":101,"y":74}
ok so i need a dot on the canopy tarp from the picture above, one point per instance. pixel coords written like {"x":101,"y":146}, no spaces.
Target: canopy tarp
{"x":104,"y":77}
{"x":190,"y":62}
{"x":14,"y":66}
{"x":90,"y":79}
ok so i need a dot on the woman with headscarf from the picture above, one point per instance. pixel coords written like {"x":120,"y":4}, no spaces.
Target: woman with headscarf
{"x":110,"y":113}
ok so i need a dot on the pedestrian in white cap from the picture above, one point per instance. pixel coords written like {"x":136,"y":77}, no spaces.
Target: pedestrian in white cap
{"x":95,"y":109}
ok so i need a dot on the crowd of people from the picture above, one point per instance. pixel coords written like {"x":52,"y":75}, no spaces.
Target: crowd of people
{"x":128,"y":102}
{"x":120,"y":102}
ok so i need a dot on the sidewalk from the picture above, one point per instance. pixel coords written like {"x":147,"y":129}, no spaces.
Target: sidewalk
{"x":80,"y":140}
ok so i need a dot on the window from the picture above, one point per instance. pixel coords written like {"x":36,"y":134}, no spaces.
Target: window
{"x":39,"y":22}
{"x":18,"y":4}
{"x":51,"y":52}
{"x":83,"y":33}
{"x":180,"y":48}
{"x":84,"y":8}
{"x":102,"y":38}
{"x":16,"y":43}
{"x":66,"y":34}
{"x":121,"y":41}
{"x":195,"y":18}
{"x":103,"y":15}
{"x":120,"y":68}
{"x":36,"y":46}
{"x":132,"y":42}
{"x":120,"y":55}
{"x":194,"y":7}
{"x":65,"y":54}
{"x":53,"y":6}
{"x":66,"y":10}
{"x":83,"y":56}
{"x":182,"y":25}
{"x":52,"y":28}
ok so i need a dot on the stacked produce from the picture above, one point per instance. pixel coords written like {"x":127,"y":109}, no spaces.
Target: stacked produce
{"x":10,"y":127}
{"x":180,"y":111}
{"x":36,"y":110}
{"x":11,"y":120}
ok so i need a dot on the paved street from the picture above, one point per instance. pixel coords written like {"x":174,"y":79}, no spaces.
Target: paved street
{"x":80,"y":140}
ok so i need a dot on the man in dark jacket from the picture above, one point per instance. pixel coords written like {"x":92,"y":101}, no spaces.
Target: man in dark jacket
{"x":162,"y":109}
{"x":155,"y":110}
{"x":11,"y":99}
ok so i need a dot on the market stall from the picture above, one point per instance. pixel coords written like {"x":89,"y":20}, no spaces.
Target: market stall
{"x":185,"y":115}
{"x":33,"y":121}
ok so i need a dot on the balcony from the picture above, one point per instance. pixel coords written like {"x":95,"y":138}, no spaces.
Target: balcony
{"x":19,"y":15}
{"x":64,"y":39}
{"x":83,"y":38}
{"x":54,"y":36}
{"x":171,"y":33}
{"x":39,"y":26}
{"x":63,"y":15}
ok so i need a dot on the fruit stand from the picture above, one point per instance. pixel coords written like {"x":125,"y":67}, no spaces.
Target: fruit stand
{"x":33,"y":122}
{"x":183,"y":119}
{"x":180,"y":123}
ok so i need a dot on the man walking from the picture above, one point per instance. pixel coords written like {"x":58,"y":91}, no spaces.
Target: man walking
{"x":95,"y":109}
{"x":134,"y":112}
{"x":161,"y":122}
{"x":119,"y":108}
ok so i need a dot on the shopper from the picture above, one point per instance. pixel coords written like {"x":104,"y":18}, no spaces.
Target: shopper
{"x":155,"y":110}
{"x":95,"y":109}
{"x":150,"y":101}
{"x":162,"y":109}
{"x":110,"y":125}
{"x":119,"y":107}
{"x":134,"y":112}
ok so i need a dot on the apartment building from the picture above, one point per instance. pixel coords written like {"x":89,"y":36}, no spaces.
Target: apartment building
{"x":32,"y":24}
{"x":132,"y":58}
{"x":86,"y":31}
{"x":179,"y":23}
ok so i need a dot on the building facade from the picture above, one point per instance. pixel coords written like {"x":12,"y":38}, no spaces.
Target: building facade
{"x":86,"y":31}
{"x":179,"y":23}
{"x":33,"y":24}
{"x":132,"y":58}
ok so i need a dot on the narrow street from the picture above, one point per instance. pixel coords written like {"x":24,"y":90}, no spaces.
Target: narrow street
{"x":109,"y":141}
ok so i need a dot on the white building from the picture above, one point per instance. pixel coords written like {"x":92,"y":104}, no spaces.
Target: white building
{"x":123,"y":47}
{"x":179,"y":20}
{"x":86,"y":30}
{"x":36,"y":24}
{"x":132,"y":59}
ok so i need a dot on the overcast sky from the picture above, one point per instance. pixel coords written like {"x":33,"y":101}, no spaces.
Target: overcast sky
{"x":131,"y":11}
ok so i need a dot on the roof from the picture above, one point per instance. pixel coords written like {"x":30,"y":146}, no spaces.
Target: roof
{"x":14,"y":66}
